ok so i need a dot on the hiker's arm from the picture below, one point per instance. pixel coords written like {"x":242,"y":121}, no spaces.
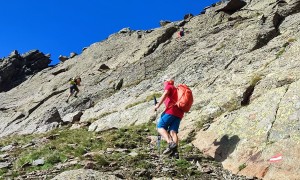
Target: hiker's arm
{"x":162,"y":99}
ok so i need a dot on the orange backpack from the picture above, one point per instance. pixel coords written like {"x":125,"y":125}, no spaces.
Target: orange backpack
{"x":185,"y":97}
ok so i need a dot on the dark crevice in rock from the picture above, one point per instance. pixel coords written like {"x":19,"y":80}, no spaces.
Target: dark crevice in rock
{"x":287,"y":9}
{"x":15,"y":120}
{"x":277,"y":20}
{"x":278,"y":17}
{"x":230,"y":62}
{"x":43,"y":101}
{"x":59,"y":71}
{"x":247,"y":95}
{"x":264,"y":38}
{"x":103,"y":78}
{"x":103,"y":67}
{"x":163,"y":38}
{"x":276,"y":113}
{"x":19,"y":117}
{"x":3,"y":109}
{"x":120,"y":84}
{"x":211,"y":83}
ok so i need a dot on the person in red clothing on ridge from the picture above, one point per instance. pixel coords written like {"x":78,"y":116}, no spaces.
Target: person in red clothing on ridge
{"x":169,"y":121}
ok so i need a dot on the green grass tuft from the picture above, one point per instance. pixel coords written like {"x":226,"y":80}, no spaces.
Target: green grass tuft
{"x":242,"y":166}
{"x":134,"y":104}
{"x":255,"y":79}
{"x":151,"y":97}
{"x":221,"y":47}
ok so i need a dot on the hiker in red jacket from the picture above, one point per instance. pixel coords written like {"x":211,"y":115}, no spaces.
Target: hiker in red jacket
{"x":169,"y":121}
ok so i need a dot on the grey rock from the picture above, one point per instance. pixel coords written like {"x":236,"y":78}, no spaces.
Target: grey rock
{"x":28,"y":145}
{"x":18,"y":68}
{"x":133,"y":154}
{"x":125,"y":30}
{"x":7,"y":148}
{"x":86,"y":174}
{"x":48,"y":55}
{"x":4,"y":165}
{"x":4,"y":156}
{"x":73,"y":54}
{"x":89,"y":165}
{"x":38,"y":162}
{"x":83,"y":49}
{"x":187,"y":17}
{"x":14,"y":54}
{"x":92,"y":155}
{"x":110,"y":150}
{"x":78,"y":126}
{"x":72,"y":117}
{"x":164,"y":23}
{"x":232,"y":6}
{"x":63,"y":58}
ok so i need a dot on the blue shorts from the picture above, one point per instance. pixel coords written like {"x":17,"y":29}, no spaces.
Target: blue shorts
{"x":73,"y":88}
{"x":169,"y":122}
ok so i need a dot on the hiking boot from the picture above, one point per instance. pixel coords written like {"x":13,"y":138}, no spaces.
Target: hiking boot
{"x":75,"y":96}
{"x":175,"y":154}
{"x":171,"y":148}
{"x":67,"y":101}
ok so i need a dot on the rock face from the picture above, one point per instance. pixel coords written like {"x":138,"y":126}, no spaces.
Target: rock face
{"x":232,"y":6}
{"x":242,"y":67}
{"x":17,"y":68}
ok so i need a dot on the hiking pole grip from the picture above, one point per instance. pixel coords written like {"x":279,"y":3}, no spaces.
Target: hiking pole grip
{"x":155,"y":101}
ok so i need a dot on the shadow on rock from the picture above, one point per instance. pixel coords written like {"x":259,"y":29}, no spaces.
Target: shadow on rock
{"x":226,"y":147}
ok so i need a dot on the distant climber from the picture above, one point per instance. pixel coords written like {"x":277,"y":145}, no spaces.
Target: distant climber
{"x":74,"y":82}
{"x":169,"y":121}
{"x":181,"y":32}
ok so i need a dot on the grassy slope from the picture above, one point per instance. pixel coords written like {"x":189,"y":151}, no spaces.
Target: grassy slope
{"x":62,"y":145}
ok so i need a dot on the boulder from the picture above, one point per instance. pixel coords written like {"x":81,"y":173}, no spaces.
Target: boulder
{"x":73,"y":54}
{"x":231,"y":6}
{"x":48,"y":55}
{"x":38,"y":162}
{"x":17,"y":68}
{"x":125,"y":30}
{"x":62,"y":58}
{"x":5,"y":165}
{"x":72,"y":117}
{"x":187,"y":17}
{"x":164,"y":23}
{"x":83,"y":49}
{"x":14,"y":54}
{"x":7,"y":148}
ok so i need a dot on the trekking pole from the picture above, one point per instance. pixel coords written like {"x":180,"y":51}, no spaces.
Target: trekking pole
{"x":158,"y":135}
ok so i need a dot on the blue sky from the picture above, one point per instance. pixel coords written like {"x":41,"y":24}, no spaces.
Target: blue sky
{"x":64,"y":26}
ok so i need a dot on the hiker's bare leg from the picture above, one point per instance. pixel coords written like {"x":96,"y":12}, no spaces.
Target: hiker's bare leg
{"x":69,"y":96}
{"x":174,"y":136}
{"x":164,"y":134}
